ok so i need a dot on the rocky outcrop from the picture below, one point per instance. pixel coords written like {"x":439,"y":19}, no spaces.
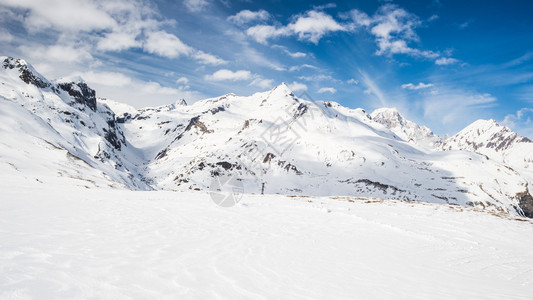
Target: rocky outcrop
{"x":484,"y":134}
{"x":27,"y":74}
{"x":80,"y":92}
{"x":525,"y":202}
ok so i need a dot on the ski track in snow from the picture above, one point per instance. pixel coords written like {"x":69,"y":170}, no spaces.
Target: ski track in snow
{"x":116,"y":244}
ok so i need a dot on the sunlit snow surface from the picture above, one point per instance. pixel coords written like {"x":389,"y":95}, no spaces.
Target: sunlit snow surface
{"x":74,"y":243}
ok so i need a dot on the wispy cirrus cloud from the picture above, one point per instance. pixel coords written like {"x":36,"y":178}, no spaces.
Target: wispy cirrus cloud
{"x":330,"y":90}
{"x":444,"y":61}
{"x":302,"y":66}
{"x":289,"y":53}
{"x":208,"y":59}
{"x":450,"y":105}
{"x":372,"y":88}
{"x":418,"y":86}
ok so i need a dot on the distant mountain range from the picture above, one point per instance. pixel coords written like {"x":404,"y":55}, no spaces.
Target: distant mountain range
{"x":57,"y":132}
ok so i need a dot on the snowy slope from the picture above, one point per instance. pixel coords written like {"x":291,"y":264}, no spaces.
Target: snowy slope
{"x":294,"y":146}
{"x":405,"y":129}
{"x":496,"y":141}
{"x":112,"y":244}
{"x":43,"y":119}
{"x":271,"y":140}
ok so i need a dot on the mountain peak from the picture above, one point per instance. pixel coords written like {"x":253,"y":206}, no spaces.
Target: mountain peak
{"x":70,"y":79}
{"x":282,"y":89}
{"x":484,"y":134}
{"x":389,"y":113}
{"x":180,"y":102}
{"x":27,"y":73}
{"x":405,"y":129}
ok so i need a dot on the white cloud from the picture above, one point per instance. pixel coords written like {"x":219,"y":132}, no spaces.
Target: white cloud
{"x":208,"y":59}
{"x":418,"y":86}
{"x":319,"y":77}
{"x":166,"y":44}
{"x":433,"y":18}
{"x":57,"y":53}
{"x":324,"y":6}
{"x":304,"y":66}
{"x":142,"y":94}
{"x":106,"y":78}
{"x":291,"y":54}
{"x":246,"y":16}
{"x":327,"y":90}
{"x":464,"y":24}
{"x":154,"y":87}
{"x":352,"y":81}
{"x":521,"y":121}
{"x":118,"y":41}
{"x":261,"y":33}
{"x":443,"y":61}
{"x":263,"y":83}
{"x":313,"y":25}
{"x":225,"y":74}
{"x":360,"y":18}
{"x":65,"y":15}
{"x":310,"y":26}
{"x":182,"y":80}
{"x":297,"y":86}
{"x":393,"y":28}
{"x":120,"y":24}
{"x":296,"y":54}
{"x":195,"y":5}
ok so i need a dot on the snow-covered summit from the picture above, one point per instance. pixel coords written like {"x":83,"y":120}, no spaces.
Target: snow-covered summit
{"x":26,"y":72}
{"x":487,"y":134}
{"x":405,"y":129}
{"x":180,"y":102}
{"x":497,"y":142}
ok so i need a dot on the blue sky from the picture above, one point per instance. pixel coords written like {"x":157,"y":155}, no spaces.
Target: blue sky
{"x":443,"y":64}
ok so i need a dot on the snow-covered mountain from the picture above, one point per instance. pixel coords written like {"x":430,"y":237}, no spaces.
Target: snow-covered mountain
{"x":405,"y":129}
{"x":271,"y":140}
{"x":494,"y":140}
{"x":58,"y":130}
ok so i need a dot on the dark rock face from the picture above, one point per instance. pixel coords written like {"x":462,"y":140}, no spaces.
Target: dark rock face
{"x":25,"y":73}
{"x":525,"y":202}
{"x":224,"y":164}
{"x":113,"y":139}
{"x":302,"y":109}
{"x":505,"y":139}
{"x":81,"y":92}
